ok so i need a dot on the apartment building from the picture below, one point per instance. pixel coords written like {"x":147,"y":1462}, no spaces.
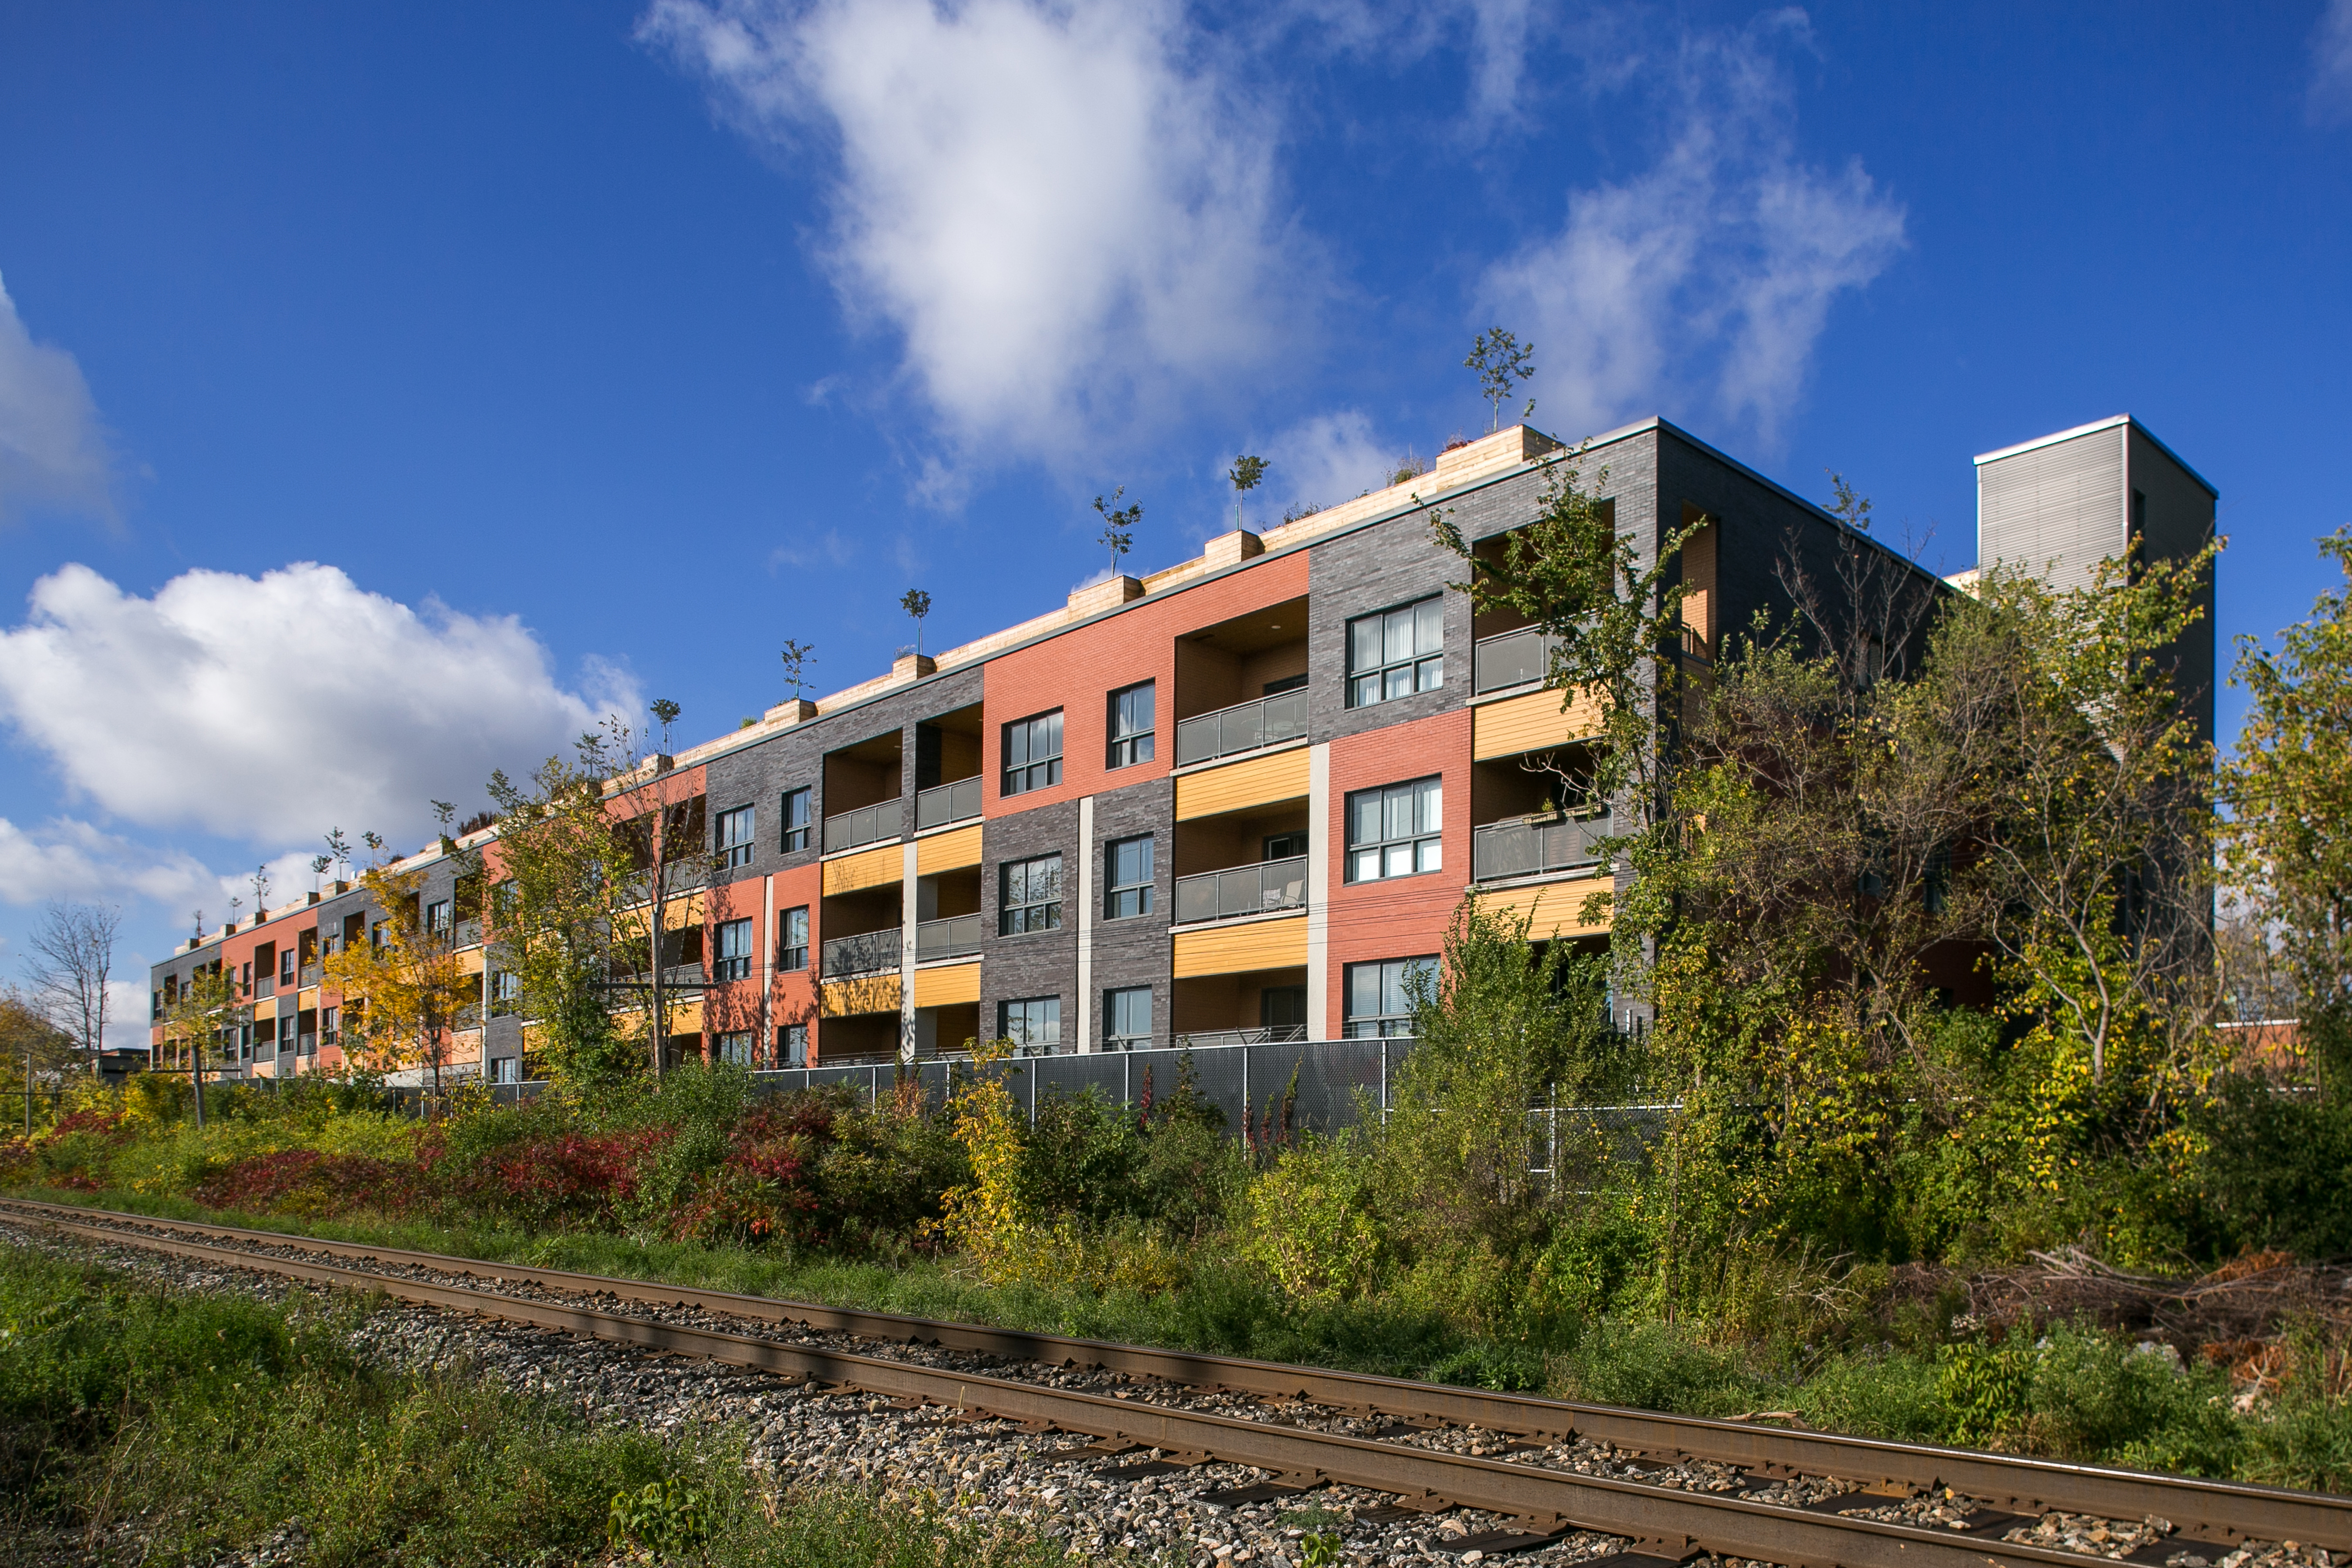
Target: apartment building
{"x":1236,"y":799}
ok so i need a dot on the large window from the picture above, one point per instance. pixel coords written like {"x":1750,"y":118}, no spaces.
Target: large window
{"x":1032,"y":1024}
{"x":1033,"y":752}
{"x":1127,"y":867}
{"x":1130,"y":725}
{"x":1031,"y":896}
{"x":735,"y":837}
{"x":1396,"y":653}
{"x":796,"y":819}
{"x":792,"y":1046}
{"x":733,"y":961}
{"x":1126,"y":1019}
{"x":505,"y":992}
{"x":792,"y":939}
{"x":1395,"y":831}
{"x":436,"y":917}
{"x":1380,"y":996}
{"x":735,"y":1046}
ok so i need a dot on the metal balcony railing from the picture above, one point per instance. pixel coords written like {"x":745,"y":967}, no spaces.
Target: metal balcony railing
{"x":469,"y":934}
{"x":1272,"y":1034}
{"x":310,"y":973}
{"x":1245,"y":727}
{"x":955,"y":937}
{"x":955,"y":801}
{"x":1522,"y":658}
{"x":1243,"y":891}
{"x":866,"y":824}
{"x":1522,"y":849}
{"x":871,"y":953}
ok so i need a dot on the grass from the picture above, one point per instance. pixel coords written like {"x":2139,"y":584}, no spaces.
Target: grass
{"x":178,"y":1426}
{"x":2075,"y":1395}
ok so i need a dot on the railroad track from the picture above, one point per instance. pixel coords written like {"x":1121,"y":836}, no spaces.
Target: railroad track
{"x":2002,"y":1492}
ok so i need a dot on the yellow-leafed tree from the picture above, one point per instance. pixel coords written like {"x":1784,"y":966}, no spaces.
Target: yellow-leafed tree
{"x":415,"y":989}
{"x":206,"y":1007}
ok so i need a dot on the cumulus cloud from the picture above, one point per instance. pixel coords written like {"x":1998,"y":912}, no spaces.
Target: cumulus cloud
{"x":2329,"y":100}
{"x":1328,"y":458}
{"x":1062,"y":211}
{"x":52,"y":451}
{"x":1708,"y":277}
{"x":270,"y":709}
{"x":68,"y":858}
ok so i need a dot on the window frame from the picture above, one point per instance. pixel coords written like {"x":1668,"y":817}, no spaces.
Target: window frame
{"x":791,"y":838}
{"x":1116,"y":1039}
{"x":1425,"y":668}
{"x":1029,"y":924}
{"x":1132,"y":748}
{"x":440,"y":918}
{"x":1412,"y":841}
{"x":1031,"y":763}
{"x":792,"y":1044}
{"x":726,"y":965}
{"x":1350,"y":1019}
{"x":1023,"y":1045}
{"x":731,"y":849}
{"x":791,"y":957}
{"x":1139,"y":892}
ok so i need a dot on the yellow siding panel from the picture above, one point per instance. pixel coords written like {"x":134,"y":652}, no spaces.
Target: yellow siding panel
{"x":946,"y":852}
{"x":1530,"y":723}
{"x":1233,"y":950}
{"x":470,"y":961}
{"x":867,"y":993}
{"x":1238,"y":786}
{"x":868,"y":868}
{"x":307,"y":998}
{"x":1551,"y":909}
{"x":947,"y":986}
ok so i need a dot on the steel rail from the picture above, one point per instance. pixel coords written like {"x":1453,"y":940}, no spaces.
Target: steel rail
{"x":1672,"y":1524}
{"x":2219,"y":1511}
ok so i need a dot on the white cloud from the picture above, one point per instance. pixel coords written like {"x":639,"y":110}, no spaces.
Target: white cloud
{"x":1064,"y":212}
{"x":2330,"y":97}
{"x":52,"y":451}
{"x":270,"y":709}
{"x":68,"y":858}
{"x":1324,"y":460}
{"x":1707,"y":279}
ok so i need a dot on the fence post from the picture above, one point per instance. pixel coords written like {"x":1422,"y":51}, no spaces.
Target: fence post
{"x":1127,"y":1078}
{"x":1033,"y":1095}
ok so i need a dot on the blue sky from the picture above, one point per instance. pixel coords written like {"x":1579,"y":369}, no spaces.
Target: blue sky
{"x":385,"y":391}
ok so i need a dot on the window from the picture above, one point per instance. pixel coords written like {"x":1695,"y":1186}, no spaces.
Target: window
{"x":735,"y":1046}
{"x":1127,"y":867}
{"x":1031,"y":896}
{"x":1033,"y":753}
{"x":735,"y":837}
{"x":286,"y":967}
{"x":1130,"y":725}
{"x":329,"y":1019}
{"x":1393,"y":832}
{"x":436,"y":916}
{"x":1126,"y":1019}
{"x":792,"y":1046}
{"x":734,"y":958}
{"x":1380,"y":996}
{"x":503,"y":1069}
{"x":1033,"y":1025}
{"x":506,"y":991}
{"x":1285,"y":846}
{"x":1288,"y":683}
{"x":792,"y":941}
{"x":796,"y":819}
{"x":1396,"y":654}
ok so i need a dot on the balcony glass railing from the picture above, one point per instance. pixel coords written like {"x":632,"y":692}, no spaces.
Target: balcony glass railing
{"x":866,"y":824}
{"x":870,"y":953}
{"x":1242,"y":890}
{"x":955,"y":801}
{"x":1523,"y":848}
{"x":470,"y":933}
{"x":1246,"y":727}
{"x":958,"y":936}
{"x":310,"y":973}
{"x":1522,"y":658}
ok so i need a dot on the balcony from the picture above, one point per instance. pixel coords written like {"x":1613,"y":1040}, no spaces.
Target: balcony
{"x":1245,"y":727}
{"x":1520,"y":848}
{"x":957,"y":802}
{"x":870,"y":953}
{"x":1256,"y":889}
{"x":866,"y":824}
{"x":310,"y":973}
{"x":1270,"y":1035}
{"x":469,"y":934}
{"x":959,"y":936}
{"x":1522,"y":658}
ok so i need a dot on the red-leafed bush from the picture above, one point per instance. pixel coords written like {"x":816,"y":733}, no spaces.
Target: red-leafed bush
{"x":307,"y":1183}
{"x":574,"y":1177}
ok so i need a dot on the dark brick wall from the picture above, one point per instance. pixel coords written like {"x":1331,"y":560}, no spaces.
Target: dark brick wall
{"x":1036,"y":963}
{"x":1139,"y":951}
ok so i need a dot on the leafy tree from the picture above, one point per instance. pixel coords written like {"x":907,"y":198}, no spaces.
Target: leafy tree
{"x":413,"y":990}
{"x":798,"y":656}
{"x":917,"y":605}
{"x":198,"y":1020}
{"x":1245,"y":476}
{"x":1501,"y":364}
{"x":1119,"y":525}
{"x":30,"y":1043}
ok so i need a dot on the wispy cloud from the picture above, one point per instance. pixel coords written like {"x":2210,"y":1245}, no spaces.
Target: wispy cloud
{"x":1707,"y":279}
{"x":271,"y":707}
{"x":1064,"y":212}
{"x":69,"y":859}
{"x":2328,"y":101}
{"x":1326,"y":459}
{"x":52,"y":450}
